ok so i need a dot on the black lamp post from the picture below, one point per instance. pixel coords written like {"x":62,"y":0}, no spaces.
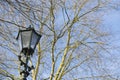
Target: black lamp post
{"x":28,"y":39}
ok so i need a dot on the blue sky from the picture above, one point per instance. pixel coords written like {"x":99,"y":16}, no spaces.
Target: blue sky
{"x":112,"y":21}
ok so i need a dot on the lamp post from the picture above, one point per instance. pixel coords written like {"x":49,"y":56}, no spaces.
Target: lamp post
{"x":28,"y":39}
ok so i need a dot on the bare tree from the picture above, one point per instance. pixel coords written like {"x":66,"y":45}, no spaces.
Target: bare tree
{"x":74,"y":42}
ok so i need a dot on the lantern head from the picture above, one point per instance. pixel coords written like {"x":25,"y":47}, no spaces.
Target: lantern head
{"x":28,"y":39}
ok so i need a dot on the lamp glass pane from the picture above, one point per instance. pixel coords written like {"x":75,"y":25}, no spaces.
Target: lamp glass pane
{"x":26,"y":35}
{"x":20,"y":42}
{"x":34,"y":40}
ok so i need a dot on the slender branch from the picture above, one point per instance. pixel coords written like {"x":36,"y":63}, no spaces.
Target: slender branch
{"x":7,"y":74}
{"x":54,"y":39}
{"x":2,"y":20}
{"x":35,"y":72}
{"x":64,"y":56}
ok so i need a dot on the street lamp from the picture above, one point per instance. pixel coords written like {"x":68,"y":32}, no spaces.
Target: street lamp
{"x":28,"y":39}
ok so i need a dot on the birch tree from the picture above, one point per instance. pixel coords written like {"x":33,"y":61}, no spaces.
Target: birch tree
{"x":74,"y":42}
